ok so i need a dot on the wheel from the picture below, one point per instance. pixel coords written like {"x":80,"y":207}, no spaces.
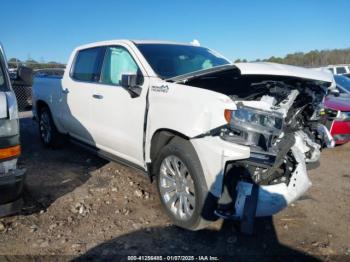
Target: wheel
{"x":181,"y":185}
{"x":49,"y":135}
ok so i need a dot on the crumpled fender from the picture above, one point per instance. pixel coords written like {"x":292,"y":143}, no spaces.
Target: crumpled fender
{"x":214,"y":153}
{"x":184,"y":109}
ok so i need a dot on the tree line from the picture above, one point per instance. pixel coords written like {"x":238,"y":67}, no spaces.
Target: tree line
{"x":314,"y":58}
{"x":14,"y":63}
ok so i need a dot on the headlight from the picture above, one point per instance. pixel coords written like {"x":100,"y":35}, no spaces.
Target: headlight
{"x":255,"y":120}
{"x":8,"y":127}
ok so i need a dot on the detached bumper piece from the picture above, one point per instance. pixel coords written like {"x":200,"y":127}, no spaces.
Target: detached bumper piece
{"x":273,"y":198}
{"x":11,"y":188}
{"x":254,"y":200}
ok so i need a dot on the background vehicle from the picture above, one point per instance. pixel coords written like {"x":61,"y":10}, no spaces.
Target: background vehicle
{"x":220,"y":138}
{"x":338,"y":106}
{"x":339,"y":69}
{"x":11,"y":178}
{"x":343,"y":85}
{"x":52,"y":72}
{"x":347,"y":75}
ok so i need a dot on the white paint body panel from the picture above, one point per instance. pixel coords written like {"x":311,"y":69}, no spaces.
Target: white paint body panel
{"x":213,"y":153}
{"x":3,"y":105}
{"x":265,"y":68}
{"x":12,"y":105}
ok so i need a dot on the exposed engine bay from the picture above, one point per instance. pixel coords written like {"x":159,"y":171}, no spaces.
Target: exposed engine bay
{"x":272,"y":113}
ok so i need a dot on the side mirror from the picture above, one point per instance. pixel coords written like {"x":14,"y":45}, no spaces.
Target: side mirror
{"x":24,"y":76}
{"x":335,"y":92}
{"x":130,"y":82}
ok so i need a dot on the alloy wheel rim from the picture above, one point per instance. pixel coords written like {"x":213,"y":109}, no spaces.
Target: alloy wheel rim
{"x":177,"y":187}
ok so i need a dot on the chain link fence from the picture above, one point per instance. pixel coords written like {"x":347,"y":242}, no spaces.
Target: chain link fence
{"x":24,"y":93}
{"x":24,"y":97}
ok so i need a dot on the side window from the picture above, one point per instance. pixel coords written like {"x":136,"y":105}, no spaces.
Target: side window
{"x":88,"y":64}
{"x":117,"y":61}
{"x":331,"y":69}
{"x":341,"y":70}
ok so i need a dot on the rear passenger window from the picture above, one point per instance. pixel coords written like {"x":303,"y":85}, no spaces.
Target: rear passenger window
{"x":341,"y":70}
{"x":88,"y":64}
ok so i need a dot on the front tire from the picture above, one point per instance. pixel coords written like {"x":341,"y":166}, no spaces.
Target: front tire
{"x":181,"y":185}
{"x":48,"y":132}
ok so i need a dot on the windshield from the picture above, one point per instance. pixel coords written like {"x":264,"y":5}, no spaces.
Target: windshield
{"x":170,"y":60}
{"x":343,"y":82}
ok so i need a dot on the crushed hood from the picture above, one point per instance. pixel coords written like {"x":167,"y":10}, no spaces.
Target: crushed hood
{"x":262,"y":68}
{"x":265,"y":68}
{"x":3,"y":105}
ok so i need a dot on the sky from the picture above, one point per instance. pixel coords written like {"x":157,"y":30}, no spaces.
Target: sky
{"x":50,"y":30}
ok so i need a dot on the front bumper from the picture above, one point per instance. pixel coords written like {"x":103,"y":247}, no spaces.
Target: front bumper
{"x":214,"y":154}
{"x":11,"y":188}
{"x":273,"y":198}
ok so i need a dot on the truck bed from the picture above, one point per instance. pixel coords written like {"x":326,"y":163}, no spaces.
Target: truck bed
{"x":47,"y":89}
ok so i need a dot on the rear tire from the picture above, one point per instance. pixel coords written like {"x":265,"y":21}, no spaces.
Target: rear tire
{"x":48,"y":132}
{"x":196,"y":208}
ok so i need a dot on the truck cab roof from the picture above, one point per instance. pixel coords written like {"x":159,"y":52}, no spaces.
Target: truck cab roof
{"x":130,"y":42}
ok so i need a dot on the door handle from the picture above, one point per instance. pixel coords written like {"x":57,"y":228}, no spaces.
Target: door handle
{"x":97,"y":96}
{"x":65,"y":91}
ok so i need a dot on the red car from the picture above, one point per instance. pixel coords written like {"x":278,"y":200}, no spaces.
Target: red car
{"x":339,"y":110}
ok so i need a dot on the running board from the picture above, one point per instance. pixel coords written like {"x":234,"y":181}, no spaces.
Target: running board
{"x":108,"y":156}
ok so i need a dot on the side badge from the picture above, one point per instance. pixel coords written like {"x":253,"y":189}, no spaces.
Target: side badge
{"x":162,"y":88}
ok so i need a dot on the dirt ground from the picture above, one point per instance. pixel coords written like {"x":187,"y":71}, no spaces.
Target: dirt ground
{"x":80,"y":206}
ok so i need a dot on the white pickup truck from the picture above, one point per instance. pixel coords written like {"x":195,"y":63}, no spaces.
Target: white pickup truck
{"x":221,"y":139}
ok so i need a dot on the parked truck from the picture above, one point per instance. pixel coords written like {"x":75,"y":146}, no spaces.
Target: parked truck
{"x":11,"y":177}
{"x":221,"y":140}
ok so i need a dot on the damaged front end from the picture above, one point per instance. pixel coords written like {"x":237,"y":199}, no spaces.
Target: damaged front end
{"x":279,"y":119}
{"x":284,"y":137}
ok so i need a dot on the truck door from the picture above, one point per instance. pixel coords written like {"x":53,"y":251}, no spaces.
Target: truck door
{"x":78,"y":87}
{"x":118,"y":117}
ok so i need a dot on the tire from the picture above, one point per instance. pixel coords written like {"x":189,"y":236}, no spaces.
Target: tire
{"x":199,"y":203}
{"x":48,"y":132}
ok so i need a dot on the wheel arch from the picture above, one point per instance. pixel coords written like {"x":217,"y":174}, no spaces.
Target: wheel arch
{"x":161,"y":138}
{"x":39,"y":105}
